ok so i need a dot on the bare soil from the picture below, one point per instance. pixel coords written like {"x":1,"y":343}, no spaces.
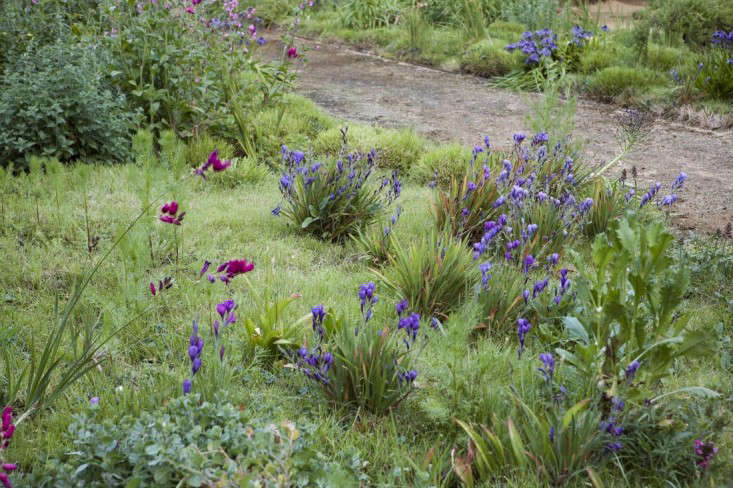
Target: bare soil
{"x":362,"y":87}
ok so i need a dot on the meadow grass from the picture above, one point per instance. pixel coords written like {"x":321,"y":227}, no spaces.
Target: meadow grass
{"x":462,"y":375}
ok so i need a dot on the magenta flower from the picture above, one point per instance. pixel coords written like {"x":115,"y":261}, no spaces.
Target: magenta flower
{"x":214,"y":163}
{"x":152,"y":288}
{"x":705,"y":451}
{"x":168,"y":214}
{"x":292,"y":53}
{"x":233,"y":268}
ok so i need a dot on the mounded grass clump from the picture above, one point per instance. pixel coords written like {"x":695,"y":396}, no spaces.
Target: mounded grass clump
{"x":619,"y":83}
{"x":663,"y":58}
{"x":506,"y":30}
{"x":397,"y":149}
{"x":448,"y":160}
{"x":487,"y":58}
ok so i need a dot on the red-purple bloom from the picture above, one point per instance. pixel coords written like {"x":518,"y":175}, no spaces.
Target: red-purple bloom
{"x":169,"y":211}
{"x":152,"y":288}
{"x":205,"y":268}
{"x":292,"y":52}
{"x":233,"y":268}
{"x":705,"y":451}
{"x":214,"y":163}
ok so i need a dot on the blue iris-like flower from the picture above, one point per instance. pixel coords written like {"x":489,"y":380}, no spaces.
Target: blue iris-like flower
{"x":523,"y":327}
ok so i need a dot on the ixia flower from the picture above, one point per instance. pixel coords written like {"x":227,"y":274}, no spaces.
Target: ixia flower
{"x":170,"y":215}
{"x":214,"y":163}
{"x":292,"y":52}
{"x":232,"y":268}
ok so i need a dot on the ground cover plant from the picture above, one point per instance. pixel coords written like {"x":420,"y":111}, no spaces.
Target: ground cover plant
{"x":262,"y":297}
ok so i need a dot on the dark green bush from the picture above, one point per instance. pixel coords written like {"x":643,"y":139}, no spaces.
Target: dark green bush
{"x":55,"y":102}
{"x":188,"y":443}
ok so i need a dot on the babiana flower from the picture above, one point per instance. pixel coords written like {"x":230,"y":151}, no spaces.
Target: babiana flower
{"x":169,"y":213}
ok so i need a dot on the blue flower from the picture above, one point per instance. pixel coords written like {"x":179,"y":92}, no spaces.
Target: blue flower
{"x":523,"y":326}
{"x":548,"y":362}
{"x":186,"y":386}
{"x":401,"y":307}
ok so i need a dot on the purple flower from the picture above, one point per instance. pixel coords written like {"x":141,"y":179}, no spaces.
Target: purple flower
{"x":540,"y":138}
{"x":586,"y":205}
{"x":614,"y":446}
{"x":553,"y":258}
{"x":261,"y":41}
{"x":94,"y":401}
{"x":276,"y":211}
{"x":402,"y":307}
{"x":679,"y":181}
{"x":186,"y":386}
{"x":528,"y":263}
{"x":630,"y":371}
{"x":195,"y":366}
{"x":519,"y":137}
{"x":549,"y":365}
{"x":668,"y":200}
{"x":225,"y":307}
{"x":705,"y":451}
{"x":525,"y":294}
{"x":523,"y":326}
{"x":539,"y":286}
{"x":204,"y":269}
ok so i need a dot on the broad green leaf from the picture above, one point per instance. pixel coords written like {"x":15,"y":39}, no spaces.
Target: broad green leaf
{"x":575,"y":330}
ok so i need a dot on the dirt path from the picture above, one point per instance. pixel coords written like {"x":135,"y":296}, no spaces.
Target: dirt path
{"x":445,"y":106}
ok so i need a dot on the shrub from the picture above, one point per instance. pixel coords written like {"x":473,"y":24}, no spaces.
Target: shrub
{"x":690,"y":21}
{"x":487,"y":58}
{"x":714,"y":77}
{"x":56,"y":103}
{"x":187,"y":442}
{"x":333,"y":200}
{"x":267,"y":328}
{"x":454,"y":12}
{"x":447,"y":160}
{"x":358,"y":364}
{"x":500,"y":299}
{"x":617,"y":82}
{"x":433,"y":273}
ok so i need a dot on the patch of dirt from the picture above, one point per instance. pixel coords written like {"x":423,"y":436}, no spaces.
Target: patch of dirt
{"x":446,"y":106}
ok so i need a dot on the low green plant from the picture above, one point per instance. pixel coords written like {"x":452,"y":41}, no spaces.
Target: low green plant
{"x":433,"y":273}
{"x":55,"y":102}
{"x":188,"y":442}
{"x":488,"y":58}
{"x":333,"y":200}
{"x":689,"y":21}
{"x":359,"y":364}
{"x":663,"y":58}
{"x":619,"y":83}
{"x":267,"y":327}
{"x":441,"y":164}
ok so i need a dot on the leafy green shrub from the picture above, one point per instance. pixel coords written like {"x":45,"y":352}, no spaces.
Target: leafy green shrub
{"x":616,"y":82}
{"x":187,"y":442}
{"x":447,"y":160}
{"x":627,"y":306}
{"x":333,"y":200}
{"x":362,"y":365}
{"x":690,"y":21}
{"x":487,"y":58}
{"x":55,"y":102}
{"x":433,"y":273}
{"x":368,"y":14}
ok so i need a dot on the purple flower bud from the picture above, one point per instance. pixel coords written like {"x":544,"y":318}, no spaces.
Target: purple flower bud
{"x":186,"y":386}
{"x":196,"y":366}
{"x":94,"y":401}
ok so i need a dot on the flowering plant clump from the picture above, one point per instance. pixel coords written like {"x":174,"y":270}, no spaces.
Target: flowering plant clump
{"x":705,"y":452}
{"x":536,"y":45}
{"x":335,"y":199}
{"x":360,"y":364}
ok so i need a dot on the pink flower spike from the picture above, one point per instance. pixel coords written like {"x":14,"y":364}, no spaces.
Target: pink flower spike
{"x":8,"y":434}
{"x":7,"y":417}
{"x":8,"y":467}
{"x":213,"y":157}
{"x":152,"y":288}
{"x":5,"y":480}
